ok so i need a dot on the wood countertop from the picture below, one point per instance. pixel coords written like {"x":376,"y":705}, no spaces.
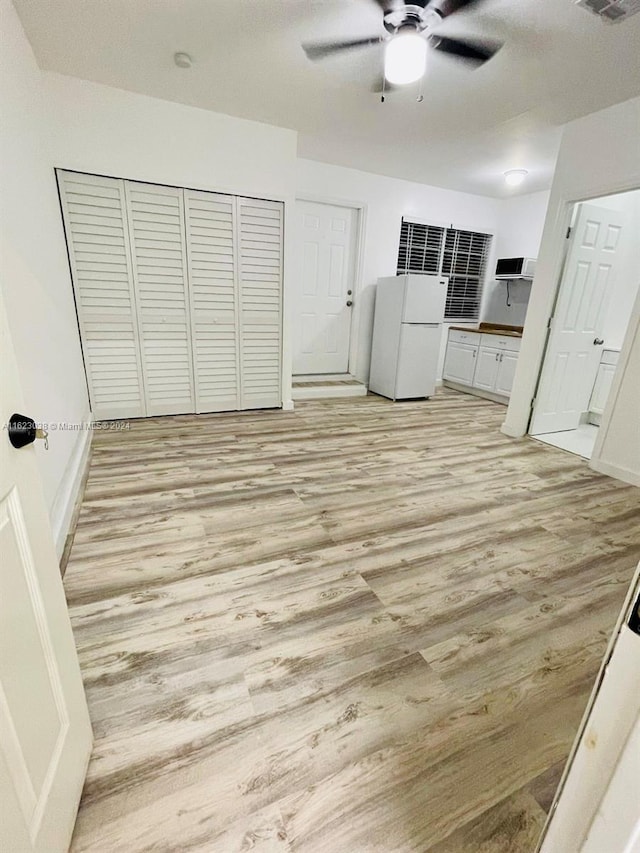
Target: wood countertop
{"x":492,"y":329}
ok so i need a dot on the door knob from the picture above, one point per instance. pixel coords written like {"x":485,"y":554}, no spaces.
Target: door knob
{"x":22,"y":431}
{"x":597,"y":342}
{"x":349,"y":303}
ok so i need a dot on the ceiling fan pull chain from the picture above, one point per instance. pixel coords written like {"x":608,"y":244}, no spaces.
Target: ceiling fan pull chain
{"x":384,"y":84}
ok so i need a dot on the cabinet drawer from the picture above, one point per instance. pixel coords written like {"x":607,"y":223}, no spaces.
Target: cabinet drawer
{"x":609,"y":356}
{"x":501,"y":342}
{"x":460,"y":337}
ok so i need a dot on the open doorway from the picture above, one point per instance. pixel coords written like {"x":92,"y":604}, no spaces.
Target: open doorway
{"x":597,"y":291}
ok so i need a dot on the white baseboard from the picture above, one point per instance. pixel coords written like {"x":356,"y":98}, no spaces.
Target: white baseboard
{"x":287,"y":405}
{"x":325,"y":392}
{"x":476,"y":392}
{"x":68,"y":490}
{"x":624,"y":474}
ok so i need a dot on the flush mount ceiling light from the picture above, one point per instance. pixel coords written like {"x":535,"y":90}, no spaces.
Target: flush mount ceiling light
{"x":182,"y":60}
{"x":405,"y":58}
{"x":514,"y":177}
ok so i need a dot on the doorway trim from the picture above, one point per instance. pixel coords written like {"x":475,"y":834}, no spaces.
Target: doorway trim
{"x":358,"y":266}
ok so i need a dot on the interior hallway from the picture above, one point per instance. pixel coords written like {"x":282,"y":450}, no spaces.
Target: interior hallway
{"x":359,"y":626}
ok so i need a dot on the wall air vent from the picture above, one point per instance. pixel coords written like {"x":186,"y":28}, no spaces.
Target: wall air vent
{"x":612,"y":11}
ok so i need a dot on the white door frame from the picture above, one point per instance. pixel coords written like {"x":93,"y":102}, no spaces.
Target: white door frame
{"x":516,"y":423}
{"x":361,"y":212}
{"x":601,"y":739}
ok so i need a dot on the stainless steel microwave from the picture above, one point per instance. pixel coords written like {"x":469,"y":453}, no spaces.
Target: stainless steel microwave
{"x":515,"y":268}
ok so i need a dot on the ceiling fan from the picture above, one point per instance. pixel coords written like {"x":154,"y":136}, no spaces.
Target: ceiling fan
{"x":409,"y":29}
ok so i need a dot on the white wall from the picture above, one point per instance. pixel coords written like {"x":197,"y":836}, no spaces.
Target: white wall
{"x":617,"y":449}
{"x":36,"y":284}
{"x":627,"y":281}
{"x":519,"y":235}
{"x":386,"y":201}
{"x":598,"y":156}
{"x":108,"y":131}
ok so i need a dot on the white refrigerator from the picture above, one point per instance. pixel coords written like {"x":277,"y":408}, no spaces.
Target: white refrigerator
{"x":407,"y":330}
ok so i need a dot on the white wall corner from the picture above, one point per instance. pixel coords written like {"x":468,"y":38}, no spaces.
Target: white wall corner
{"x":69,"y":488}
{"x":624,"y":474}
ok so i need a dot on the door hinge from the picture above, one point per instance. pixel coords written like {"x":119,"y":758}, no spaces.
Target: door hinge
{"x":533,"y":403}
{"x":549,"y":322}
{"x":569,"y":230}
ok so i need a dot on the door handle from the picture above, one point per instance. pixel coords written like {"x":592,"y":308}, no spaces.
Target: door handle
{"x":597,"y":342}
{"x":23,"y":430}
{"x":349,"y":303}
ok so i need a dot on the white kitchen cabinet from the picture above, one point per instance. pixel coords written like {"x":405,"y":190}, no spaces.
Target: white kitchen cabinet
{"x":604,"y":380}
{"x":482,"y":361}
{"x":506,"y":372}
{"x":488,"y":363}
{"x":495,"y":370}
{"x":460,"y":362}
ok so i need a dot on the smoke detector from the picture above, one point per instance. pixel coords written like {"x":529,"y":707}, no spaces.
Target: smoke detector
{"x":612,"y":11}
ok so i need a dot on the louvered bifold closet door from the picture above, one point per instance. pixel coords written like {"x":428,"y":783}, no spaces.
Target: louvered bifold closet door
{"x":156,"y":224}
{"x":94,"y":214}
{"x":260,"y":228}
{"x":214,"y":299}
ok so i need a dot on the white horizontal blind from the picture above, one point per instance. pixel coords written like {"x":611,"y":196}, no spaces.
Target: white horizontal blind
{"x":156,"y":220}
{"x":464,"y":260}
{"x":97,"y":237}
{"x":460,"y":255}
{"x":214,"y":299}
{"x":259,"y":231}
{"x":420,"y":248}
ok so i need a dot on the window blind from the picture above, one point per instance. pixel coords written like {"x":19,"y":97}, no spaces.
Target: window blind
{"x":460,"y":255}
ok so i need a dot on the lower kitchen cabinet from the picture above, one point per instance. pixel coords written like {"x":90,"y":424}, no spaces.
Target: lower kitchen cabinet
{"x":506,"y":372}
{"x":485,"y":363}
{"x":488,"y":363}
{"x":460,"y":362}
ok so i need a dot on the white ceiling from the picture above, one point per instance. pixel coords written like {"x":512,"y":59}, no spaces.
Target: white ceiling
{"x":559,"y":62}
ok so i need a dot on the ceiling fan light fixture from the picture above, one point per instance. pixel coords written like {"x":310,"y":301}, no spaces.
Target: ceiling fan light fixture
{"x":514,"y":177}
{"x":405,"y":58}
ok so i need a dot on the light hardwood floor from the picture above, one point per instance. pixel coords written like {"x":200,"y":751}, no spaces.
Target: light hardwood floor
{"x":359,"y":626}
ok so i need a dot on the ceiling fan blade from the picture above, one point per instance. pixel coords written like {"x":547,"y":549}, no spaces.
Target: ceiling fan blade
{"x":390,"y":5}
{"x":321,"y":50}
{"x":448,"y":7}
{"x":473,"y":51}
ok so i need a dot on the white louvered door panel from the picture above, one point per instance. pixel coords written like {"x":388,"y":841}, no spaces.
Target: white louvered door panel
{"x":95,"y":223}
{"x":213,"y":288}
{"x":259,"y":230}
{"x":156,"y":224}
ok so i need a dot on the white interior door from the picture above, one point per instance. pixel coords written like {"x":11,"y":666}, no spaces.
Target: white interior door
{"x":95,"y":219}
{"x":213,"y":283}
{"x":158,"y":254}
{"x":573,"y":352}
{"x":325,"y":283}
{"x":45,"y":734}
{"x":597,"y":808}
{"x":259,"y":228}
